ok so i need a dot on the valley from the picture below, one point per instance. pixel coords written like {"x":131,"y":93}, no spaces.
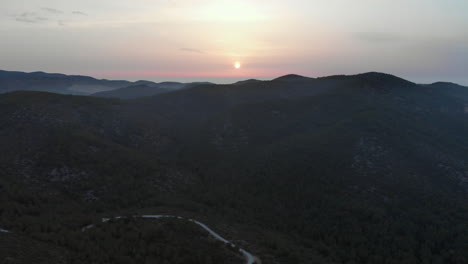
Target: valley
{"x":368,"y":168}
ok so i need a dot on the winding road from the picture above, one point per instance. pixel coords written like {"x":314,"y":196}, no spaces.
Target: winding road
{"x":250,"y":259}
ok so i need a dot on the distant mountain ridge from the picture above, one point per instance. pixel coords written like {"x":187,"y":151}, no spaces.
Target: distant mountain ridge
{"x":85,"y":85}
{"x":59,"y":83}
{"x":368,"y":168}
{"x":143,"y":90}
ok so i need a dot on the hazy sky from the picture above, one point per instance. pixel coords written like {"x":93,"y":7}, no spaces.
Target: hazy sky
{"x":422,"y":40}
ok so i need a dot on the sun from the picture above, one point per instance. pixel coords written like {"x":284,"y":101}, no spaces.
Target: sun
{"x":237,"y":65}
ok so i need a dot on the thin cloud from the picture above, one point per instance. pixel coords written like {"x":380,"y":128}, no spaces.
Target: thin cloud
{"x":29,"y":17}
{"x":61,"y":23}
{"x":52,"y":10}
{"x":79,"y":13}
{"x":25,"y":20}
{"x":192,"y":50}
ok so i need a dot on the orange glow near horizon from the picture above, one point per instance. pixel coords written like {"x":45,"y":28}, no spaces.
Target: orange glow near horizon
{"x":234,"y":73}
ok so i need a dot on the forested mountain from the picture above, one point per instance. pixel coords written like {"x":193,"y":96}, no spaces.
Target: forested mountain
{"x":145,"y":90}
{"x":368,"y":168}
{"x":84,"y":85}
{"x":58,"y":83}
{"x":22,"y":249}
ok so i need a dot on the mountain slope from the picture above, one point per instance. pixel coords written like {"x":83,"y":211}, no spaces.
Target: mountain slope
{"x":133,"y":92}
{"x":57,"y":83}
{"x":365,"y":169}
{"x":23,"y":250}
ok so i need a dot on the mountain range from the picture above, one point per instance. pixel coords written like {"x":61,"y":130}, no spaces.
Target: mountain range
{"x":366,"y":168}
{"x":81,"y":85}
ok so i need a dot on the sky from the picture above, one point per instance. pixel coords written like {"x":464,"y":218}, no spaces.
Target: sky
{"x":193,"y":40}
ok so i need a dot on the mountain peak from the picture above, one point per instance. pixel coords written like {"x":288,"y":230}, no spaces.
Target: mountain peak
{"x":376,"y":79}
{"x":381,"y":76}
{"x":445,"y":84}
{"x":291,"y":77}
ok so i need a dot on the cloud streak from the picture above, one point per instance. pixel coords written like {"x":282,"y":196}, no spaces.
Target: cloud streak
{"x":79,"y":13}
{"x":46,"y":14}
{"x":192,"y":50}
{"x":52,"y":10}
{"x":30,"y":17}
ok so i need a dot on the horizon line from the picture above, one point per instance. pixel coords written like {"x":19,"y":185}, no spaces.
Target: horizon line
{"x":238,"y":77}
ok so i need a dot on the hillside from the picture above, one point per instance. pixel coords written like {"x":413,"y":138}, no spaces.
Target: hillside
{"x":17,"y":249}
{"x":133,"y":92}
{"x":368,"y":168}
{"x":58,"y":83}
